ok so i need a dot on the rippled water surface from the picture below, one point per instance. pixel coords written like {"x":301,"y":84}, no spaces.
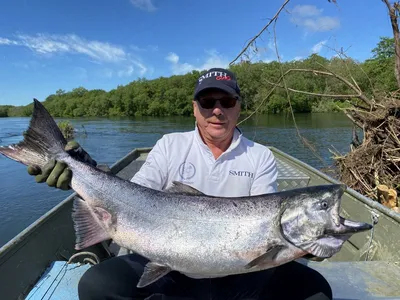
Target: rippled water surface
{"x":22,"y":200}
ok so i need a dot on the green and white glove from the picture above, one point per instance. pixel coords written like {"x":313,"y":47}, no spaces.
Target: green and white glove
{"x":56,"y":173}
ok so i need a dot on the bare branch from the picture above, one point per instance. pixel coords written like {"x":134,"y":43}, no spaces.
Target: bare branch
{"x":348,"y":83}
{"x":360,"y":95}
{"x":395,"y":28}
{"x":304,"y":140}
{"x":341,"y":53}
{"x":315,"y":94}
{"x":275,"y":85}
{"x":262,"y":30}
{"x":352,"y":119}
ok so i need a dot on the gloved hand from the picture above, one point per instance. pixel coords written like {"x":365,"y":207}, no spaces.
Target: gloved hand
{"x":56,"y":173}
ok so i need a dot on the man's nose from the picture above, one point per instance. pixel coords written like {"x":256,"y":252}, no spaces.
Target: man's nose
{"x":217,"y":110}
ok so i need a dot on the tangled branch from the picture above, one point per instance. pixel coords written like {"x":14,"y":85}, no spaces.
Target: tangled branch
{"x":261,"y":31}
{"x":372,"y":166}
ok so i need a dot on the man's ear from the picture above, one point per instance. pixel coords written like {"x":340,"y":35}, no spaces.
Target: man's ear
{"x":194,"y":102}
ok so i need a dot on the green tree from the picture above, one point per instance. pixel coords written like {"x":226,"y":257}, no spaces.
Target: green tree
{"x":385,"y":48}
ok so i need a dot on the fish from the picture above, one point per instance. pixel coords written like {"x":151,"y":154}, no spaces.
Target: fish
{"x":182,"y":229}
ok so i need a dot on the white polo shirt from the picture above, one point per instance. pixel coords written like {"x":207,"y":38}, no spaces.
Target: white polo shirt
{"x":245,"y":168}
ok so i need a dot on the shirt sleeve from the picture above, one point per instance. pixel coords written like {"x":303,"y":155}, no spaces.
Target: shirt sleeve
{"x":265,"y":180}
{"x":154,"y":172}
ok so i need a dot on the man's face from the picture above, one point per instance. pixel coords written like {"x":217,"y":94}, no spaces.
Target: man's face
{"x":216,"y":123}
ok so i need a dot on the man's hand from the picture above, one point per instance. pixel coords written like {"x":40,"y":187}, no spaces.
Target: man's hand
{"x":56,"y":173}
{"x":77,"y":152}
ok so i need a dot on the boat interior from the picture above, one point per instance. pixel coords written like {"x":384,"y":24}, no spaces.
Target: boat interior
{"x":363,"y":269}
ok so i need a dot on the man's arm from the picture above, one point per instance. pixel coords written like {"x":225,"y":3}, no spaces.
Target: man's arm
{"x":154,"y":172}
{"x":266,"y":175}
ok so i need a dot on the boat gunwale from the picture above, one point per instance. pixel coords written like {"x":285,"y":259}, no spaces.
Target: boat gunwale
{"x":368,"y":201}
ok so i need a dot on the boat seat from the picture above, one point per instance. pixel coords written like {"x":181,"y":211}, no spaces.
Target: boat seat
{"x":290,"y":177}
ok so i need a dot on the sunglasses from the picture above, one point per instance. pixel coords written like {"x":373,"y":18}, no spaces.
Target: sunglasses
{"x":226,"y":102}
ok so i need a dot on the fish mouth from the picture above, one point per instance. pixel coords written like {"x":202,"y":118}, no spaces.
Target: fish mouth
{"x":333,"y":239}
{"x":348,"y":227}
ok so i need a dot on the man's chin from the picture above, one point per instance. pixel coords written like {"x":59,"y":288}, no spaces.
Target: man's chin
{"x":218,"y":133}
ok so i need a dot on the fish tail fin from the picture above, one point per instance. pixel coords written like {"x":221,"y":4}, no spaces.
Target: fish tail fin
{"x":42,"y":141}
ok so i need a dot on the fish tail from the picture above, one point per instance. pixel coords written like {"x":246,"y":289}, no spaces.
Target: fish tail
{"x":42,"y":141}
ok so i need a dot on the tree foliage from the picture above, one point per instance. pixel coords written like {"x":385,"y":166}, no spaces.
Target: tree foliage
{"x":166,"y":96}
{"x":385,"y":48}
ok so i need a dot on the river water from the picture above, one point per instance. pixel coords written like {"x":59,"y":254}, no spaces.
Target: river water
{"x":23,"y":201}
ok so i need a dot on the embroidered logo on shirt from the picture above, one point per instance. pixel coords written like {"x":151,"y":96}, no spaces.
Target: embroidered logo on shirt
{"x":187,"y":170}
{"x":241,"y":173}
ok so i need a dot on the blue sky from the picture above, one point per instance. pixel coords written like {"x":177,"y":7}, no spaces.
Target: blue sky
{"x":47,"y":45}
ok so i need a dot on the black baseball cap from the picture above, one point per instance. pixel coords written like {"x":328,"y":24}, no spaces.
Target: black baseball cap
{"x":217,"y":78}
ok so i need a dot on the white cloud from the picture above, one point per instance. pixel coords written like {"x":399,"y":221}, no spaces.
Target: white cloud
{"x":321,"y":24}
{"x":97,"y":52}
{"x":4,"y":41}
{"x":71,"y":43}
{"x":144,"y":5}
{"x":128,"y":71}
{"x":212,"y":60}
{"x":306,"y":11}
{"x":172,"y":57}
{"x":311,"y":18}
{"x":317,"y":47}
{"x":296,"y":58}
{"x":142,"y":68}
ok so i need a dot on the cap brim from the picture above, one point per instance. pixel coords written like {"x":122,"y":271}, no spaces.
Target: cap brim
{"x":218,"y":86}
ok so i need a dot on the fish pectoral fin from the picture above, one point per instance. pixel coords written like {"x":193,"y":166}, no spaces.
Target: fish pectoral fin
{"x":313,"y":257}
{"x":181,"y":188}
{"x":324,"y":247}
{"x":88,"y":229}
{"x":152,"y":272}
{"x":268,"y":256}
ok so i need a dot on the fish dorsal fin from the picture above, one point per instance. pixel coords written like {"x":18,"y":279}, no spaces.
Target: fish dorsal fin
{"x":152,"y":272}
{"x":181,"y":188}
{"x":268,"y":256}
{"x":87,"y":224}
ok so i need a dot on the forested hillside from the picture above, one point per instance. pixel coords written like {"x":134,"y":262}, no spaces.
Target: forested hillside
{"x":172,"y":96}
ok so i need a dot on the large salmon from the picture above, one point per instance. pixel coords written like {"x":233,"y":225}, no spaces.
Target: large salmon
{"x":184,"y":230}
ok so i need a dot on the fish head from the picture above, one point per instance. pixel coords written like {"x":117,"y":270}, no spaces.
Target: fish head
{"x":310,"y":220}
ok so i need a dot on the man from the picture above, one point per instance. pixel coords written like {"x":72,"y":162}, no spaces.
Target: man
{"x":215,"y":157}
{"x":218,"y":160}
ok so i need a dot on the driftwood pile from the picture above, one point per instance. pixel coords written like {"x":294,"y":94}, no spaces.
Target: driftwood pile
{"x":372,"y":167}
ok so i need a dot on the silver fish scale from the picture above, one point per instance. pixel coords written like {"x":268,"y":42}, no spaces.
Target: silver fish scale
{"x":149,"y":223}
{"x":188,"y":246}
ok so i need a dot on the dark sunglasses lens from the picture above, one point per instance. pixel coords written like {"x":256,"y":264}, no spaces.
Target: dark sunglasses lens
{"x":226,"y":102}
{"x":207,"y":103}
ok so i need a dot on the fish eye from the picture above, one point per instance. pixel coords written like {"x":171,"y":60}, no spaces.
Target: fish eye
{"x":324,"y":205}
